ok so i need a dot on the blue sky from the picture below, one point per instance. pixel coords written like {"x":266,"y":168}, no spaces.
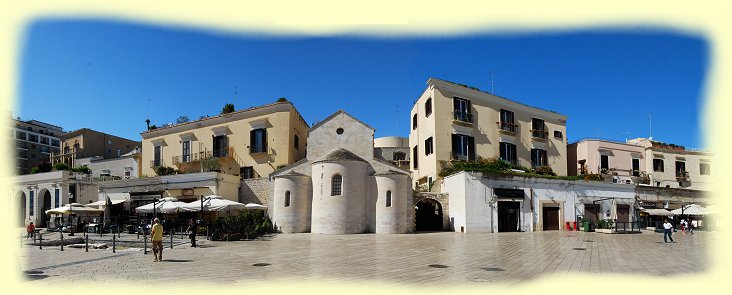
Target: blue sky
{"x":101,"y":75}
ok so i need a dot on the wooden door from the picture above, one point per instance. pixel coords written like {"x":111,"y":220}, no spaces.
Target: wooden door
{"x":550,"y":218}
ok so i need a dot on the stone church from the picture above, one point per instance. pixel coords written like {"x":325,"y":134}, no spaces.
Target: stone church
{"x":340,"y":187}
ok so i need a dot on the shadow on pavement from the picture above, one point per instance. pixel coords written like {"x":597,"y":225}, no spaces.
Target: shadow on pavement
{"x":177,"y":260}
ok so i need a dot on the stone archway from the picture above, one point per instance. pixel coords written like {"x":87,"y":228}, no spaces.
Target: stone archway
{"x":428,"y":215}
{"x":23,"y":205}
{"x":44,"y":198}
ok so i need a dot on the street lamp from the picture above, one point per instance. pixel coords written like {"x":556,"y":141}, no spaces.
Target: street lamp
{"x":71,"y":212}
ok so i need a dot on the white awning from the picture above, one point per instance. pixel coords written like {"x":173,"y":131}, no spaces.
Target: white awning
{"x":656,"y":212}
{"x":102,"y":203}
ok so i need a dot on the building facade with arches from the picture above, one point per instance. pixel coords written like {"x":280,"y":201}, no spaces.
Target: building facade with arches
{"x":341,"y":187}
{"x":33,"y":194}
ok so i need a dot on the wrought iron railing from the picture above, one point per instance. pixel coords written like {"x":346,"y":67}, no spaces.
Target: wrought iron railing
{"x":506,"y":126}
{"x":539,"y":133}
{"x":463,"y":117}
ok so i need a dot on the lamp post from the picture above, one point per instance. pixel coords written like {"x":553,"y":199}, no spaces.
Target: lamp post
{"x":71,"y":212}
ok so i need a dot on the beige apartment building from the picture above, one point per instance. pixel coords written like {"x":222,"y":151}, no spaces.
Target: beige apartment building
{"x":676,"y":166}
{"x":250,"y":143}
{"x":35,"y":141}
{"x":88,"y":143}
{"x":641,"y":161}
{"x":459,"y":123}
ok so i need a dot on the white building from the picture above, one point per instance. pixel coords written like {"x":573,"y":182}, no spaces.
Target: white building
{"x":484,"y":203}
{"x":33,"y":194}
{"x":340,"y":187}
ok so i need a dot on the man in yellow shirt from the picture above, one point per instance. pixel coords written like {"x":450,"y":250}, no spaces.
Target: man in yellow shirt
{"x":157,"y":240}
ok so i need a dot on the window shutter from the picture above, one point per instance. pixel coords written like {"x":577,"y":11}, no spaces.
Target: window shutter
{"x":251,"y":141}
{"x":471,"y":146}
{"x":264,"y":140}
{"x":455,"y":145}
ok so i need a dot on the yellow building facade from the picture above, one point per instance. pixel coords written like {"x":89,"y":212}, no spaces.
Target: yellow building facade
{"x":453,"y":122}
{"x":249,"y":143}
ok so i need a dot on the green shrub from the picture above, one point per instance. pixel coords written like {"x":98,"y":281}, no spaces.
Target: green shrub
{"x":81,"y":169}
{"x":248,"y":224}
{"x":35,"y":170}
{"x":60,"y":166}
{"x":164,"y":170}
{"x":544,"y":170}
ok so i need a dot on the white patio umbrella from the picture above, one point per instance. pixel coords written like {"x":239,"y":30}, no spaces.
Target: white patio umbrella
{"x":255,"y":206}
{"x":164,"y":205}
{"x":74,"y":208}
{"x":692,"y":209}
{"x":213,"y":203}
{"x":614,"y":210}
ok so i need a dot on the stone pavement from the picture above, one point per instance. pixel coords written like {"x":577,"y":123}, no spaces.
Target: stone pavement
{"x":411,"y":259}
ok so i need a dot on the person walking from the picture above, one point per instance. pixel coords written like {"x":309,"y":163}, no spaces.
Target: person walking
{"x":693,"y":225}
{"x":667,"y":230}
{"x":682,"y":223}
{"x":156,"y":235}
{"x":31,"y":229}
{"x":193,"y":230}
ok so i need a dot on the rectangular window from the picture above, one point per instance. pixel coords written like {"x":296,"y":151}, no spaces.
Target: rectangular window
{"x":414,"y":121}
{"x":45,"y":149}
{"x":157,"y":155}
{"x":258,"y":141}
{"x":538,"y":158}
{"x":604,"y":163}
{"x":537,"y":128}
{"x":33,"y":137}
{"x":57,"y":197}
{"x":508,"y":152}
{"x":507,"y":121}
{"x":44,"y":140}
{"x":297,"y":142}
{"x":388,"y":198}
{"x":680,"y":169}
{"x":463,"y":147}
{"x":20,"y":135}
{"x":557,"y":134}
{"x":186,"y":153}
{"x":658,"y":165}
{"x":336,"y":185}
{"x":461,"y":110}
{"x":247,"y":172}
{"x":415,"y":154}
{"x":428,"y":149}
{"x":428,"y":107}
{"x":704,"y":169}
{"x":220,"y":146}
{"x":32,"y":200}
{"x":55,"y":142}
{"x":636,"y":167}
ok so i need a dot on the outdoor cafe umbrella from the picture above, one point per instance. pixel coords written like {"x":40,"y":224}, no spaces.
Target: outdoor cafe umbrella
{"x":255,"y":206}
{"x":692,"y":209}
{"x":74,"y":208}
{"x":164,"y":205}
{"x":213,"y":203}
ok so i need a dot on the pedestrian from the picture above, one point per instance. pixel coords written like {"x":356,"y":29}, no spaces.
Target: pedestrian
{"x":693,"y":226}
{"x":192,"y":231}
{"x":667,"y":230}
{"x":683,"y":225}
{"x":31,"y":229}
{"x":157,"y":240}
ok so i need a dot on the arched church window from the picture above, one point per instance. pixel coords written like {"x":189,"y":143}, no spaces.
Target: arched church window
{"x":388,"y":198}
{"x":287,"y":199}
{"x":336,"y":185}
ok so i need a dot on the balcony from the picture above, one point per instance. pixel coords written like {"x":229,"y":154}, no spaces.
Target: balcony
{"x":190,"y":158}
{"x":539,"y":134}
{"x":462,"y":117}
{"x":507,"y":128}
{"x":461,"y":157}
{"x":682,"y":176}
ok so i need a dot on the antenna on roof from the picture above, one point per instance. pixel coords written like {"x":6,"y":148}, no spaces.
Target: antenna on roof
{"x":650,"y":126}
{"x":397,"y":119}
{"x":491,"y":81}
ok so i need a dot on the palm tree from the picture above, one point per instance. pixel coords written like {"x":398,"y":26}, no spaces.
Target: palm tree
{"x":228,"y":108}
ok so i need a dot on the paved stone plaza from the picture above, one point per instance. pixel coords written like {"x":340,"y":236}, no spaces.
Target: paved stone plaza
{"x":411,"y":259}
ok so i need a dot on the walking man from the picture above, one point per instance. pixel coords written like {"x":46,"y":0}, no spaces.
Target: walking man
{"x":193,"y":230}
{"x":157,"y":240}
{"x":667,"y":230}
{"x":31,"y":229}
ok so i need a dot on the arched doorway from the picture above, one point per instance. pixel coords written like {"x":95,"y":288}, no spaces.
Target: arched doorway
{"x":45,"y":205}
{"x":23,"y":202}
{"x":428,"y":215}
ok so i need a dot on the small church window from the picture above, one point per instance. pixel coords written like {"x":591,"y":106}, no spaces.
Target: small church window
{"x":336,"y":185}
{"x":287,"y":199}
{"x":388,"y":198}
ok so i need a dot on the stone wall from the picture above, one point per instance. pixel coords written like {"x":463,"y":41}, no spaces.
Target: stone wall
{"x":254,"y":190}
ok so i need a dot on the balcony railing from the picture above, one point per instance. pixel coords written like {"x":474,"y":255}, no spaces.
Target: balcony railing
{"x":193,"y":157}
{"x":509,"y":127}
{"x":461,"y":157}
{"x":463,"y":117}
{"x":539,"y":133}
{"x":156,"y":163}
{"x":256,"y":149}
{"x":682,"y":176}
